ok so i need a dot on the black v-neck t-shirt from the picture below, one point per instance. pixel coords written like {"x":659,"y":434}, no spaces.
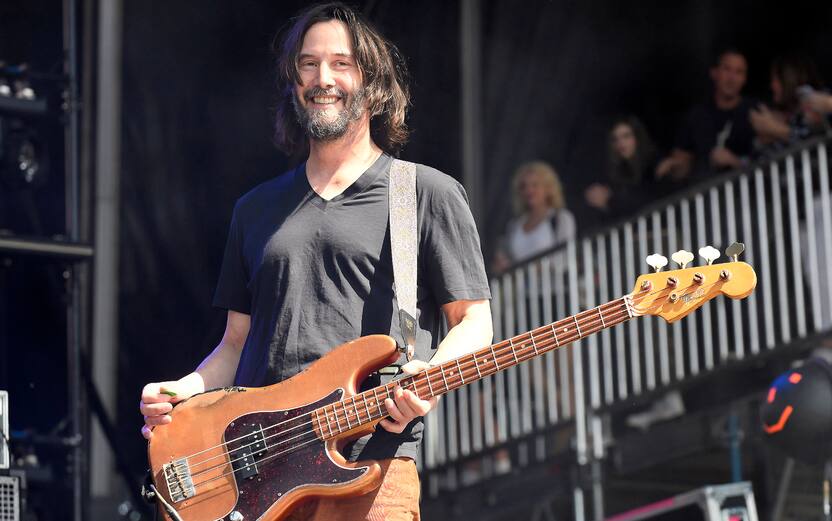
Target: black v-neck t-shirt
{"x":315,"y":273}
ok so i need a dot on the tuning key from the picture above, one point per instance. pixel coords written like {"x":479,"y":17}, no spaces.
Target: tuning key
{"x":682,"y":258}
{"x":657,"y":261}
{"x":734,"y":250}
{"x":709,"y":253}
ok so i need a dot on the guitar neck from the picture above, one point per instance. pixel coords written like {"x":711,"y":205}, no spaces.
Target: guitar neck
{"x":368,"y":407}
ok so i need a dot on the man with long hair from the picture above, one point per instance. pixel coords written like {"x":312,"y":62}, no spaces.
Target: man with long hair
{"x":308,"y":261}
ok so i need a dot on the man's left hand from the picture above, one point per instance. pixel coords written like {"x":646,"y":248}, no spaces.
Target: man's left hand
{"x":407,"y":405}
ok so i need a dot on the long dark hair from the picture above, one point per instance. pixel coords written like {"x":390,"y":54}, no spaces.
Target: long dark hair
{"x":630,"y":171}
{"x":794,"y":70}
{"x":383,"y":72}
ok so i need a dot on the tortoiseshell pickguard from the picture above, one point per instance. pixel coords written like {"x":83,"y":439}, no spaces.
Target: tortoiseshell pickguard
{"x":278,"y":475}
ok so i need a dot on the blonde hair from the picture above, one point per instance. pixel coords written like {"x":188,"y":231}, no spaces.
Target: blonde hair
{"x":548,"y":178}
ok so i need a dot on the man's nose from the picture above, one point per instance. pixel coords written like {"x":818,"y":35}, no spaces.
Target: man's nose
{"x":325,"y":77}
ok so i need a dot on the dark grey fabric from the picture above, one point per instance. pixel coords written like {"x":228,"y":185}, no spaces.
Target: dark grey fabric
{"x":314,"y":273}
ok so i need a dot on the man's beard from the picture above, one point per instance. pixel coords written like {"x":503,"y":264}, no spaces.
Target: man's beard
{"x":317,"y":124}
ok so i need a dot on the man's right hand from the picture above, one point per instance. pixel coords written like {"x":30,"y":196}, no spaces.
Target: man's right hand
{"x":158,"y":399}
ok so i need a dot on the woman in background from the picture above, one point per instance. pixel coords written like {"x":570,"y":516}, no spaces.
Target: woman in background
{"x":542,"y":221}
{"x":629,"y":184}
{"x":801,"y":107}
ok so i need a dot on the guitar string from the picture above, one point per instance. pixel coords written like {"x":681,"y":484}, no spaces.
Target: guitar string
{"x":617,"y":302}
{"x":315,"y":438}
{"x":415,"y":381}
{"x":545,"y":344}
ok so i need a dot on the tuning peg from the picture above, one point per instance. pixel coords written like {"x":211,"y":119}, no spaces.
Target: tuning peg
{"x":734,"y":250}
{"x":682,"y":258}
{"x":657,"y":261}
{"x":709,"y":253}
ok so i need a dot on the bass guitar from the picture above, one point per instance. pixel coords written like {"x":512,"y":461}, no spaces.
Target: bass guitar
{"x":239,"y":454}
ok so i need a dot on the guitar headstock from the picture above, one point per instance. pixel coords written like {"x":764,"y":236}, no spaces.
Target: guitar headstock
{"x":674,"y":294}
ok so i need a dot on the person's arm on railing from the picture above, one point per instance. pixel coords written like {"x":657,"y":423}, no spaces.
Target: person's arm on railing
{"x":677,"y":166}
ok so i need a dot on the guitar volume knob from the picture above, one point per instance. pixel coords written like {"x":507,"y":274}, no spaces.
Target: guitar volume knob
{"x":236,"y":516}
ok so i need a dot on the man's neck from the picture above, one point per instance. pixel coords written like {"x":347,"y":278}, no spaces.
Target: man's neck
{"x":334,"y":165}
{"x":724,"y":102}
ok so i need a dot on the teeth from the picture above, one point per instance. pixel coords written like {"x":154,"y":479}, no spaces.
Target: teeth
{"x":325,"y":100}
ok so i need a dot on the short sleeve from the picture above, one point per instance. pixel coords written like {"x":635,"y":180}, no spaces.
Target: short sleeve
{"x":232,"y":291}
{"x":450,"y":252}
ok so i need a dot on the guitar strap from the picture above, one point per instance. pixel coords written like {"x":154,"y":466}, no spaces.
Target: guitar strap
{"x":403,"y":246}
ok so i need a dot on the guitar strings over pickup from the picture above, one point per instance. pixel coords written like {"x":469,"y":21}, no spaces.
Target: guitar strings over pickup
{"x":179,"y":481}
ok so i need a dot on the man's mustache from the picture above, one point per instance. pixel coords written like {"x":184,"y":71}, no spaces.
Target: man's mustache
{"x":318,"y":91}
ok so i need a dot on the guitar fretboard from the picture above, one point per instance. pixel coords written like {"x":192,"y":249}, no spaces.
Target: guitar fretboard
{"x":366,"y":407}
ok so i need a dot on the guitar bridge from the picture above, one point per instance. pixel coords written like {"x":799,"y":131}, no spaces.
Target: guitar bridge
{"x":178,"y":477}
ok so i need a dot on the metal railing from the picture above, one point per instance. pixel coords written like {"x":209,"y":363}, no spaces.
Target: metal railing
{"x":779,"y":208}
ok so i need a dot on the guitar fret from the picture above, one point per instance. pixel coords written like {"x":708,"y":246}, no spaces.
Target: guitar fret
{"x":494,"y":355}
{"x":347,"y":416}
{"x":602,"y":317}
{"x":430,"y":387}
{"x":318,"y":419}
{"x":575,"y":317}
{"x":554,"y":332}
{"x":367,"y":407}
{"x":337,"y":420}
{"x":415,"y":388}
{"x":442,"y":371}
{"x":459,"y":369}
{"x":534,"y":345}
{"x":477,"y":366}
{"x":513,"y":350}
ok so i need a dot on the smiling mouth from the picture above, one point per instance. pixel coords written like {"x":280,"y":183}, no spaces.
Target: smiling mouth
{"x":324,"y":100}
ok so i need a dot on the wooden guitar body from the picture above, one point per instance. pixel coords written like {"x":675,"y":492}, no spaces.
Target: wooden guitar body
{"x":258,"y":452}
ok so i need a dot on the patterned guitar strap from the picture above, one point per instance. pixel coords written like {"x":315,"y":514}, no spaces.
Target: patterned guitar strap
{"x":403,"y":245}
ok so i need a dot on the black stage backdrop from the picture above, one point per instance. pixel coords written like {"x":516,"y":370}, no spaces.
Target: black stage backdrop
{"x":197,"y":101}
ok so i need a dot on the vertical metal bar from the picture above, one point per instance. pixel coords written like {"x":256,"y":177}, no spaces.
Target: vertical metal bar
{"x":464,"y":420}
{"x":617,"y":288}
{"x":797,"y":272}
{"x":707,"y":331}
{"x":470,"y":31}
{"x":721,"y":321}
{"x":592,"y":349}
{"x":524,"y":368}
{"x":514,"y":419}
{"x":562,"y":268}
{"x":500,"y":378}
{"x":441,"y":432}
{"x":430,"y":434}
{"x":826,"y":213}
{"x":661,"y":325}
{"x":751,"y":246}
{"x":647,"y":326}
{"x":577,"y":360}
{"x":633,"y":346}
{"x":676,"y":327}
{"x":537,"y":380}
{"x":738,"y":339}
{"x":452,"y":424}
{"x":765,"y":255}
{"x":780,"y":254}
{"x":603,"y":297}
{"x":811,"y":239}
{"x":549,"y":358}
{"x":693,"y":342}
{"x":488,"y":383}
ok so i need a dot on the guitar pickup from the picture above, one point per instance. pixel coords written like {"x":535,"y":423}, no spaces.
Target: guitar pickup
{"x":244,"y":458}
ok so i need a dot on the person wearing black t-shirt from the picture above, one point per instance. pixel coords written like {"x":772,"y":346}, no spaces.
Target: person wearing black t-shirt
{"x":308,"y":264}
{"x":716,"y":135}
